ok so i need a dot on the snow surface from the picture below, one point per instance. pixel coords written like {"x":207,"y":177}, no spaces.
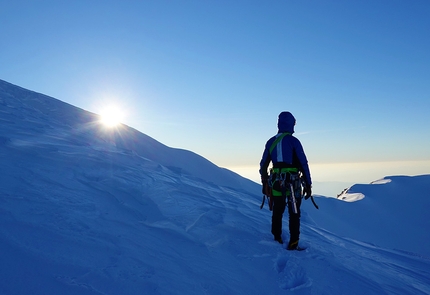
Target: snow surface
{"x":84,"y":210}
{"x":392,"y":213}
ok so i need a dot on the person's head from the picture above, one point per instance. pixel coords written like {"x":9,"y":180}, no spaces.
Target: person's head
{"x":286,"y":122}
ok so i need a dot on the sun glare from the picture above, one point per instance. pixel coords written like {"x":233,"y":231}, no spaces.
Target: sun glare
{"x":111,"y":116}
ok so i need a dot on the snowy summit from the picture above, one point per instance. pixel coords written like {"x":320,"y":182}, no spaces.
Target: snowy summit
{"x":91,"y":210}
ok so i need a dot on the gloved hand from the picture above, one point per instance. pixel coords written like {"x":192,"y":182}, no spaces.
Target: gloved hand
{"x":264,"y":182}
{"x":308,"y":192}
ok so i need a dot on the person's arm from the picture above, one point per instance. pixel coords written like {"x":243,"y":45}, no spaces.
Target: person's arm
{"x":304,"y":167}
{"x":265,"y":161}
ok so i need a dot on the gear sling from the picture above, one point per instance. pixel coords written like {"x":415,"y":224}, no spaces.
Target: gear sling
{"x":285,"y":182}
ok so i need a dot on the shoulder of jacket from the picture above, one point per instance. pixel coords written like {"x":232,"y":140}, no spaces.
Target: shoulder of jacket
{"x":273,"y":138}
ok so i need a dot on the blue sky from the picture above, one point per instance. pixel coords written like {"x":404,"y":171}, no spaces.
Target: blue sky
{"x":212,"y":76}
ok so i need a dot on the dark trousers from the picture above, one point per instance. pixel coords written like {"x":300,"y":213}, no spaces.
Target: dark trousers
{"x":279,"y":204}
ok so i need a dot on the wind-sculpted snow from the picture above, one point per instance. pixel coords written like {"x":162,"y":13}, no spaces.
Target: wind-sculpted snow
{"x":83,"y":212}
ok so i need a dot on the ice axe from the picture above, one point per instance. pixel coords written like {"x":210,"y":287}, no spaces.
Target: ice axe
{"x":312,"y":199}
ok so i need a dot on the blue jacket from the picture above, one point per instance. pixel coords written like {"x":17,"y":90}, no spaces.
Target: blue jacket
{"x":288,"y":151}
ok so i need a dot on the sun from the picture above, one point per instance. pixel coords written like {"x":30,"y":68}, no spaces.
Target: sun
{"x":111,"y":116}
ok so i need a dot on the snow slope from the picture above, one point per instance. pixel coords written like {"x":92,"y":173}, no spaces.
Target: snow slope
{"x":391,"y":212}
{"x":47,"y":122}
{"x":89,"y":211}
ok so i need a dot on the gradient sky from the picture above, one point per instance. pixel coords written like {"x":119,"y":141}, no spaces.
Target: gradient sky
{"x":212,"y":76}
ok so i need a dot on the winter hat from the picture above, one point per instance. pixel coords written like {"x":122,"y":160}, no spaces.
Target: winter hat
{"x":286,"y":122}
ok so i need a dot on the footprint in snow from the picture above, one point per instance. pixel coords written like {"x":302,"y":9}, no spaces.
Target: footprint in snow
{"x":291,"y":275}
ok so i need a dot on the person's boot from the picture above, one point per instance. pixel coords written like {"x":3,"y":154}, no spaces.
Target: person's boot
{"x":279,"y":240}
{"x":293,"y":245}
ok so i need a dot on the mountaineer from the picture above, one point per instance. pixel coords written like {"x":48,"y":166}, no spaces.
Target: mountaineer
{"x":283,"y":185}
